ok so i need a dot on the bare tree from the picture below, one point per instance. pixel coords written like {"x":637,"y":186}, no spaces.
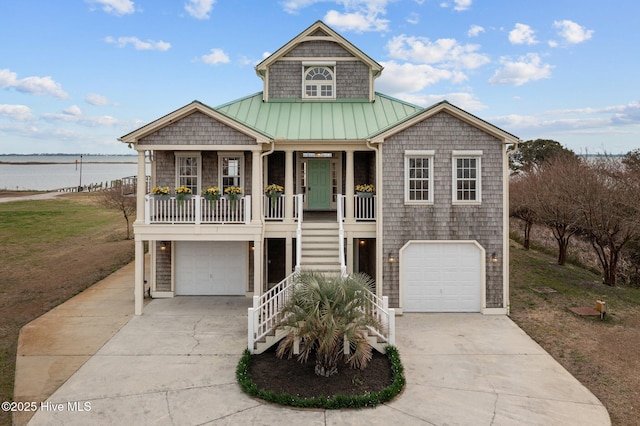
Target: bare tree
{"x":113,"y":198}
{"x":553,"y":186}
{"x":521,"y":205}
{"x":608,"y":203}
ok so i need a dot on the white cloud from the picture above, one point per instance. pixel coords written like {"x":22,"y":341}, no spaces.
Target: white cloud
{"x":199,"y":9}
{"x":466,"y":101}
{"x":16,"y":112}
{"x":527,"y":68}
{"x":97,"y":100}
{"x":358,"y":15}
{"x":406,"y":78}
{"x":447,"y":52}
{"x":475,"y":31}
{"x":73,"y":114}
{"x":413,"y":18}
{"x":458,"y":5}
{"x":217,"y":56}
{"x":139,"y":44}
{"x":462,"y":5}
{"x":293,"y":6}
{"x":31,"y":85}
{"x":73,"y":110}
{"x":356,"y":21}
{"x":522,"y":34}
{"x":115,"y":7}
{"x":571,"y":32}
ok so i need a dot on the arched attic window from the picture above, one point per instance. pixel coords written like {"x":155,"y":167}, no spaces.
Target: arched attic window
{"x":319,"y":82}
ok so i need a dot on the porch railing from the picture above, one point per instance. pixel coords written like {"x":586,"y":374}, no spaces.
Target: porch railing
{"x":197,"y":210}
{"x":364,"y":207}
{"x":273,"y":207}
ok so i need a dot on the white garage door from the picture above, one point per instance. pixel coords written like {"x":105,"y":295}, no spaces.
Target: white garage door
{"x":211,"y":268}
{"x":441,"y":277}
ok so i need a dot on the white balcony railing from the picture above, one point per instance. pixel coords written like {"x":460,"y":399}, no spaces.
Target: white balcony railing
{"x":197,"y":210}
{"x":364,"y":207}
{"x":273,"y":207}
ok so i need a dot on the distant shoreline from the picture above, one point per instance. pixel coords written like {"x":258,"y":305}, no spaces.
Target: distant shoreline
{"x":37,"y":163}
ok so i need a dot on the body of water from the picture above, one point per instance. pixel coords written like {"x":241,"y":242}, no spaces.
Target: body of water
{"x":50,"y":172}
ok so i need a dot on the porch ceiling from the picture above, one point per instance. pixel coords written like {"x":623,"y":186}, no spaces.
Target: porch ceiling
{"x":292,"y":119}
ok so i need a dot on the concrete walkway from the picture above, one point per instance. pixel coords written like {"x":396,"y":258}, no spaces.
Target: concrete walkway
{"x":176,"y":365}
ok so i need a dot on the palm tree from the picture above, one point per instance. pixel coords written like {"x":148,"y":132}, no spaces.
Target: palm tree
{"x":326,"y":313}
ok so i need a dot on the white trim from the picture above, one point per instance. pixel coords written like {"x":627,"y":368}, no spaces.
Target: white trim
{"x":331,"y":69}
{"x":454,"y":177}
{"x":241,"y":171}
{"x":318,"y":63}
{"x":466,"y":153}
{"x":483,"y":269}
{"x":189,"y":154}
{"x":422,"y":154}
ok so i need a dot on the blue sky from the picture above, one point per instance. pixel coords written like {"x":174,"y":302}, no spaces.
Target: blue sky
{"x":77,"y":74}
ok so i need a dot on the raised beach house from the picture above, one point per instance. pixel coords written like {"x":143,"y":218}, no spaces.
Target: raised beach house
{"x":319,"y":171}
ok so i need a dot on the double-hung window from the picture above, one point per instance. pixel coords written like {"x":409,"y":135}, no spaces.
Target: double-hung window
{"x":467,"y":177}
{"x":318,"y":81}
{"x":418,"y":177}
{"x":231,"y":171}
{"x":188,"y":171}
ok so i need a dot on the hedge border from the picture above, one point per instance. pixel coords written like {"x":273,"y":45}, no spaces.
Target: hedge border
{"x":332,"y":403}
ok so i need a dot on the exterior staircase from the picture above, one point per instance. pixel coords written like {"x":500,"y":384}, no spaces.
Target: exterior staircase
{"x":320,"y":247}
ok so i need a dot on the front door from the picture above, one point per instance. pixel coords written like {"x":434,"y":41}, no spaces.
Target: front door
{"x":319,"y":186}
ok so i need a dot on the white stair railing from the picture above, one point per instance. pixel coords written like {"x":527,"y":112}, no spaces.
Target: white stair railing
{"x":379,"y":308}
{"x":339,"y":204}
{"x":264,"y":315}
{"x":299,"y":207}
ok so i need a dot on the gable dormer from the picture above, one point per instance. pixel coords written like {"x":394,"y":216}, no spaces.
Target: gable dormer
{"x":318,"y":65}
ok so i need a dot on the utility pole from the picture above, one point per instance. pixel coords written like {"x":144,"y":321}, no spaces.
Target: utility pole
{"x":80,"y":186}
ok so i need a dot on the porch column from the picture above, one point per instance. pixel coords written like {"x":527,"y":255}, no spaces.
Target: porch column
{"x":349,"y":189}
{"x":138,"y":292}
{"x":288,"y":254}
{"x":256,"y":188}
{"x":258,"y":284}
{"x":141,"y":187}
{"x":288,"y":186}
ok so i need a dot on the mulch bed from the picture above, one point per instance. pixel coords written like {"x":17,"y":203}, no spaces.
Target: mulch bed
{"x":271,"y":373}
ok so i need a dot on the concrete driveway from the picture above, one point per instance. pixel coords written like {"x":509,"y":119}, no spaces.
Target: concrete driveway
{"x":176,"y":365}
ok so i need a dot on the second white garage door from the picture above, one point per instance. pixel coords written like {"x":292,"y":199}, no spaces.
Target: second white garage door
{"x":211,"y":268}
{"x":441,"y":277}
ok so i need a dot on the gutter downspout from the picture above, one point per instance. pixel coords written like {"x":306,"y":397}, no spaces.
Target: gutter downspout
{"x":379,"y":229}
{"x":505,"y":238}
{"x":262,"y":230}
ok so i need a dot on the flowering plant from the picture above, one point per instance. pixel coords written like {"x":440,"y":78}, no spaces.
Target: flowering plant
{"x":212,"y":190}
{"x":233,"y":190}
{"x":365,"y":188}
{"x":273,"y":189}
{"x":183,"y":190}
{"x":160,"y":190}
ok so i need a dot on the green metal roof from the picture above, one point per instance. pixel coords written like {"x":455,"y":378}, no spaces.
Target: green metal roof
{"x":343,"y":119}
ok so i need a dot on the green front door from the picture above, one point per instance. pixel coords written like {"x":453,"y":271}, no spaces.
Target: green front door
{"x":319,"y":186}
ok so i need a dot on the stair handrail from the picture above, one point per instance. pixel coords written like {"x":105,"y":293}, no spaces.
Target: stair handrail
{"x":339,"y":204}
{"x":265,"y":313}
{"x":299,"y":205}
{"x":379,"y":308}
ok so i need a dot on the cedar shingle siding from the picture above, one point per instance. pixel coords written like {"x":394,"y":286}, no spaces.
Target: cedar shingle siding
{"x":352,"y":77}
{"x":197,"y":129}
{"x":443,"y":133}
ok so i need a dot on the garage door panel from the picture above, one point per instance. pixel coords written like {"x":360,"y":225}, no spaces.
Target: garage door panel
{"x":211,"y":268}
{"x":441,"y":277}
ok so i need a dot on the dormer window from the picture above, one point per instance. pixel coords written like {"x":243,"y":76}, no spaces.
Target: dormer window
{"x":319,"y":82}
